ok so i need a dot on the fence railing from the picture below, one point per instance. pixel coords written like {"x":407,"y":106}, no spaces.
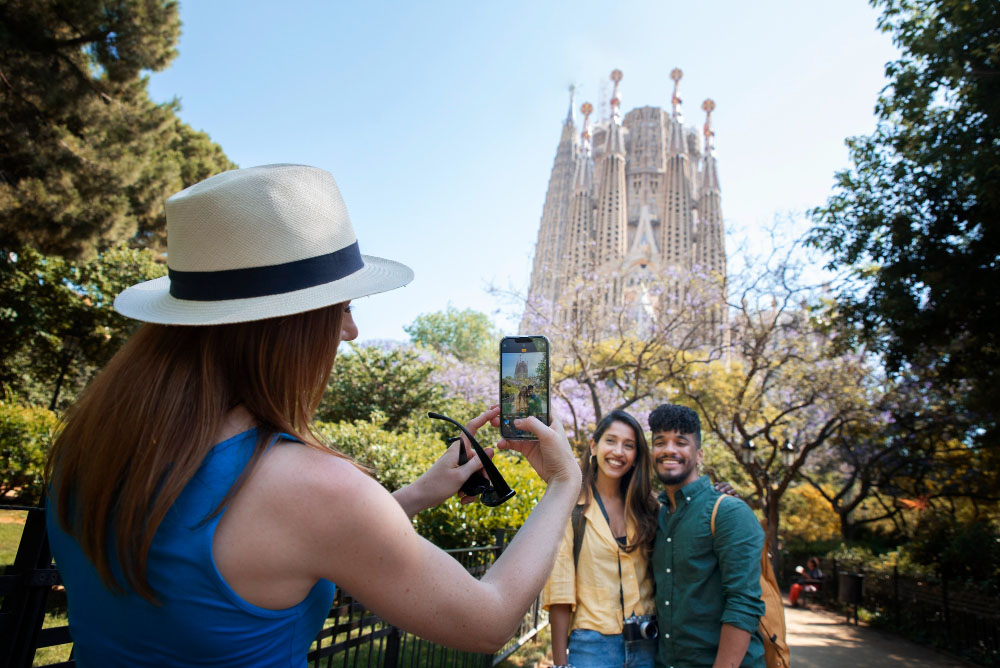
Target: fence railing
{"x":352,"y":635}
{"x":931,"y":610}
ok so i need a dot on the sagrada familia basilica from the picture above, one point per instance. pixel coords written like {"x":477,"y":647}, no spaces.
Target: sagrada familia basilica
{"x":635,"y":198}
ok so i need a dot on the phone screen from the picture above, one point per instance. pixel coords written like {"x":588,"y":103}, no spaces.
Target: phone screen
{"x":524,"y":382}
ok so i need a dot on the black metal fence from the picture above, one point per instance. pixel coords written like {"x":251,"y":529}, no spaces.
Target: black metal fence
{"x":352,"y":635}
{"x":931,"y":610}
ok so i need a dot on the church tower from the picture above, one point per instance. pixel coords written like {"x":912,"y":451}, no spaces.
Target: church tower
{"x":636,"y":197}
{"x":552,"y":233}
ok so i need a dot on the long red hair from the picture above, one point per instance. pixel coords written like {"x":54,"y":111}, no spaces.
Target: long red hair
{"x":142,"y":427}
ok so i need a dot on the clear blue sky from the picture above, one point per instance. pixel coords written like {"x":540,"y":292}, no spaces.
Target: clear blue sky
{"x":440,"y":120}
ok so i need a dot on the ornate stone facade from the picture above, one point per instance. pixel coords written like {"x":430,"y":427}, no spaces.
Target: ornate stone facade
{"x":636,"y":198}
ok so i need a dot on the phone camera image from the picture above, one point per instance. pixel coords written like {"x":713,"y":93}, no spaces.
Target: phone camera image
{"x":524,"y":383}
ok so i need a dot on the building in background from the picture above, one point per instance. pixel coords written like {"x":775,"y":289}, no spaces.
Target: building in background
{"x":632,"y":202}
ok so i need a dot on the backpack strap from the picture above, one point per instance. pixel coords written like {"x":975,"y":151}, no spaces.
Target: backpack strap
{"x":579,"y":526}
{"x":715,"y":511}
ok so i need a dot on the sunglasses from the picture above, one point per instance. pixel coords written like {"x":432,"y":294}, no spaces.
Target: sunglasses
{"x":491,"y":489}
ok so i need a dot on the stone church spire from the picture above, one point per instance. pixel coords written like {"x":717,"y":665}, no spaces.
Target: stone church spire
{"x":578,"y":259}
{"x":611,"y":221}
{"x":676,"y":236}
{"x":552,"y":228}
{"x":710,"y":242}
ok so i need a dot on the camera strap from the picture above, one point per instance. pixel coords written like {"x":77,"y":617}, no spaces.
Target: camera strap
{"x":618,"y":553}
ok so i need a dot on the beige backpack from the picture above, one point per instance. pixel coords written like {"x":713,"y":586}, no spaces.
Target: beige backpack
{"x":772,"y":624}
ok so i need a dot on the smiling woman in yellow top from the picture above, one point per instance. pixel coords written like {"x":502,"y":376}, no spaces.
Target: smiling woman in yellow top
{"x":602,"y":598}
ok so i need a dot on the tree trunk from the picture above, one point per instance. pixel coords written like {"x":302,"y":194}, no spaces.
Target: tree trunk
{"x":772,"y":527}
{"x":846,"y":526}
{"x":63,"y":370}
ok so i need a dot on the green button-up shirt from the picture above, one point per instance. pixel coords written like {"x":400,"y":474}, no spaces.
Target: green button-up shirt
{"x":703,"y":582}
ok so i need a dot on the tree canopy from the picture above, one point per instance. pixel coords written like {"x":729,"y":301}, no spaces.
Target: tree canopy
{"x":466,"y":334}
{"x":916,"y":219}
{"x":86,"y":158}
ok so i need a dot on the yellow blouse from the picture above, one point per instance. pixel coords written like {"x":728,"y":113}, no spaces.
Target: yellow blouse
{"x":591,"y":589}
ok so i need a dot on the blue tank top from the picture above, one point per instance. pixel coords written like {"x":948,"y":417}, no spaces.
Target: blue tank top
{"x":201,"y":621}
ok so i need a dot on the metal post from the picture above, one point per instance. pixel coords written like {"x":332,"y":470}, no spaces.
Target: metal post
{"x":836,"y":579}
{"x":392,"y":648}
{"x":895,"y":595}
{"x":947,"y":612}
{"x":23,"y":610}
{"x":500,"y":540}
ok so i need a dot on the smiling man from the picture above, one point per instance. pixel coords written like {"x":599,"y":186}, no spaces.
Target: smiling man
{"x":707,"y":585}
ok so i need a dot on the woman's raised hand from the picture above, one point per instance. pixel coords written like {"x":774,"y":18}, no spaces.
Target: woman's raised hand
{"x":446,"y":476}
{"x":550,"y":455}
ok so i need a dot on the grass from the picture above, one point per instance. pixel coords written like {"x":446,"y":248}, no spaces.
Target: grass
{"x":11,"y":526}
{"x":531,"y":653}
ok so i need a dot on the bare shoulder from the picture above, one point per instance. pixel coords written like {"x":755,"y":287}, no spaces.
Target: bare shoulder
{"x":308,"y":492}
{"x":294,"y":469}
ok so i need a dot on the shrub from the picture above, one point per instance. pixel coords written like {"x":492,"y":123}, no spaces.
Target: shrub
{"x":25,"y":435}
{"x":397,"y":459}
{"x":370,"y":379}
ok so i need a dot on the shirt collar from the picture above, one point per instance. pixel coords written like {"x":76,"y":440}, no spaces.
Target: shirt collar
{"x":688,"y":492}
{"x":596,"y":518}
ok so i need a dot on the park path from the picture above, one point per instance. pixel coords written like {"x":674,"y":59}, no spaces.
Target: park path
{"x":820,"y":639}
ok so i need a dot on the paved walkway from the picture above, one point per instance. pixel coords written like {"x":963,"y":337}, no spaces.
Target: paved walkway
{"x":819,"y":639}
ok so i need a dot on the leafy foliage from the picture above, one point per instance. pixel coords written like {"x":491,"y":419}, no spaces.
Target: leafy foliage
{"x":808,"y":517}
{"x":969,"y":550}
{"x":916,"y":220}
{"x":25,"y":435}
{"x":465,"y":334}
{"x":86,"y":158}
{"x":57,"y":321}
{"x":398,"y":458}
{"x":392,"y":381}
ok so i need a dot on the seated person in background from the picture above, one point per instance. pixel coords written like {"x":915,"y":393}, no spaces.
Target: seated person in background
{"x":809,"y":579}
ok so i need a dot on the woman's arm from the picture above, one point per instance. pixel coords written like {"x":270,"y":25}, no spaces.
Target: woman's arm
{"x":308,"y":515}
{"x":559,"y":615}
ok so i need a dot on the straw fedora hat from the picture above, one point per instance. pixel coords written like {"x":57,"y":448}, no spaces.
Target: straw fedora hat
{"x":258,"y":243}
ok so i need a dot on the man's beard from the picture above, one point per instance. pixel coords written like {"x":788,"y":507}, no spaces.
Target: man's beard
{"x":676,"y":476}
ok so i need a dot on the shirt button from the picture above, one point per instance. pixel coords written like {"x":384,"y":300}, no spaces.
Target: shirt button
{"x":666,"y":635}
{"x":666,"y":603}
{"x":668,"y":570}
{"x":688,"y":498}
{"x":670,"y":540}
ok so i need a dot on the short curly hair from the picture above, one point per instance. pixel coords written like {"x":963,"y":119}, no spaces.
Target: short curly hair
{"x":672,"y":417}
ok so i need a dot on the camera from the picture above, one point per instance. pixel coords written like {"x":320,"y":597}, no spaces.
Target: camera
{"x":640,"y":627}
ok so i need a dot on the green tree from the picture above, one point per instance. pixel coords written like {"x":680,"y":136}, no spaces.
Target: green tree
{"x":466,"y":334}
{"x":57,"y":320}
{"x":86,"y":158}
{"x":367,"y":380}
{"x":916,"y":220}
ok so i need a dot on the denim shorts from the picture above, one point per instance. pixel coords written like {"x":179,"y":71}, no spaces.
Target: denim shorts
{"x":590,"y":649}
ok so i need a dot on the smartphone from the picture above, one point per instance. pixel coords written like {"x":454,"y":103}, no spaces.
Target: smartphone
{"x":524,"y":383}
